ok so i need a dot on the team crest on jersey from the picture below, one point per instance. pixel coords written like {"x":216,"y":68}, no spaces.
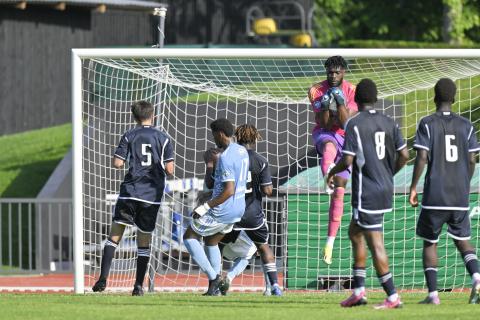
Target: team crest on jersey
{"x":225,"y":173}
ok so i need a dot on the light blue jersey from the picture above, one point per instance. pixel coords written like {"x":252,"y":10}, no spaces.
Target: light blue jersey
{"x":233,"y":166}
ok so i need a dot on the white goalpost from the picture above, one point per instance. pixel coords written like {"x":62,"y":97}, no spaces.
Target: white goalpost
{"x":268,"y":88}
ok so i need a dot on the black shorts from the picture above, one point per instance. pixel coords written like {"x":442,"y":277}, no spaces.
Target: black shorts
{"x":258,"y":235}
{"x":368,"y":221}
{"x":132,"y":212}
{"x":430,"y":223}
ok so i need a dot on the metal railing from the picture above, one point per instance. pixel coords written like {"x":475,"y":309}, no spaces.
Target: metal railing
{"x":36,"y":235}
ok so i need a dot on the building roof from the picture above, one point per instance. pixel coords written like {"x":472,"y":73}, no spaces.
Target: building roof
{"x":126,"y":4}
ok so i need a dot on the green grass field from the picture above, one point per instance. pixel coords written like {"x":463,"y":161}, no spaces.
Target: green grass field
{"x":235,"y":306}
{"x":31,"y":158}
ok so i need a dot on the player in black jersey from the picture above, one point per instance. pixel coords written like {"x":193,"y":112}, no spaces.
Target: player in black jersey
{"x":375,"y":147}
{"x":253,"y":222}
{"x":149,"y":154}
{"x":447,"y":143}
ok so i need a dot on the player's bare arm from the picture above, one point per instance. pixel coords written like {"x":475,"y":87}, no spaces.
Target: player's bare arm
{"x":420,"y":162}
{"x":343,"y":165}
{"x":169,"y":168}
{"x":402,"y":158}
{"x":210,"y":157}
{"x":472,"y":162}
{"x":343,"y":114}
{"x":323,"y":118}
{"x":228,"y":191}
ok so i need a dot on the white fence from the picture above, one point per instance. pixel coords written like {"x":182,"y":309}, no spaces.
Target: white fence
{"x":36,"y":235}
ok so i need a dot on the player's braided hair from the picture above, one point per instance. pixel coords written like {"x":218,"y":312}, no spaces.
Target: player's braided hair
{"x":335,"y":62}
{"x":247,"y":134}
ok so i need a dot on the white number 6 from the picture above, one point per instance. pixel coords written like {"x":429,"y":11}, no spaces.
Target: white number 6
{"x":451,"y":150}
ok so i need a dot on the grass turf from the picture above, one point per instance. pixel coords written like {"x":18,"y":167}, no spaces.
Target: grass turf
{"x":29,"y":159}
{"x":252,"y":305}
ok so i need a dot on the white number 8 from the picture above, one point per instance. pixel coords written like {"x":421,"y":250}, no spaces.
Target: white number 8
{"x":380,"y":144}
{"x":451,"y":150}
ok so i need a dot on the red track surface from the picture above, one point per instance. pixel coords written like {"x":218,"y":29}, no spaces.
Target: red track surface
{"x":176,"y":282}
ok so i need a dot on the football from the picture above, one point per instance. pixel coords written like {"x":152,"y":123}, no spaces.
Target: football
{"x":333,"y":104}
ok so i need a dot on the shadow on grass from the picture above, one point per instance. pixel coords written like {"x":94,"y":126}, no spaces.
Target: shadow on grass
{"x":31,"y":179}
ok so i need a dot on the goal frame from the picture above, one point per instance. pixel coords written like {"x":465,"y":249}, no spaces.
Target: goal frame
{"x":77,"y":134}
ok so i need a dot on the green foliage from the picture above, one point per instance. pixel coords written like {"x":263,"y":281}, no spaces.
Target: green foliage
{"x":401,"y":44}
{"x":328,"y":20}
{"x":396,"y":20}
{"x":194,"y":306}
{"x":460,"y":16}
{"x":27,"y":159}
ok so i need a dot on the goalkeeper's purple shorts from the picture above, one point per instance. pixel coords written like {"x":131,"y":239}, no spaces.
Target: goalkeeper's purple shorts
{"x":321,"y":136}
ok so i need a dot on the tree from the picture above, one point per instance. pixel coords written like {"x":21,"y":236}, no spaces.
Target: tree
{"x":459,"y":16}
{"x":453,"y":21}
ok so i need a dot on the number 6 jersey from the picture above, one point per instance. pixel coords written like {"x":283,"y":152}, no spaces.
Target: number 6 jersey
{"x":448,"y":139}
{"x":374,"y":140}
{"x":146,"y":150}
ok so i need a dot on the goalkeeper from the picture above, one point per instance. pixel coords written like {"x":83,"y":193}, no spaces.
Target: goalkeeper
{"x":333,"y":103}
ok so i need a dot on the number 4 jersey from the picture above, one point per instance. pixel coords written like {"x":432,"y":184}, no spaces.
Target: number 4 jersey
{"x":146,"y":150}
{"x":374,"y":140}
{"x":449,"y":139}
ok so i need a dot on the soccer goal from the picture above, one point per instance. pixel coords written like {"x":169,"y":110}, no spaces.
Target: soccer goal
{"x":267,"y":88}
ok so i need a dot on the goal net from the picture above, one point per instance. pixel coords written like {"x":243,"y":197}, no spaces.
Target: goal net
{"x":267,"y":88}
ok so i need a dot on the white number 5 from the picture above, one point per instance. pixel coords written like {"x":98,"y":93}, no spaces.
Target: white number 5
{"x":451,"y":150}
{"x":147,"y":153}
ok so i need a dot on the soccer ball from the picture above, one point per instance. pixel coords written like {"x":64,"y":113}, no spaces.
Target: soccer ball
{"x":333,"y":104}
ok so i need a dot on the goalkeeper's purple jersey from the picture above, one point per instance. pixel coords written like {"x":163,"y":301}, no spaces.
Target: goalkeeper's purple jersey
{"x":232,"y":165}
{"x":146,"y":150}
{"x":448,"y":139}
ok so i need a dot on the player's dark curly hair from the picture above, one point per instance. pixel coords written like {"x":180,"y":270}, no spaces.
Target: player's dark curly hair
{"x":366,"y":92}
{"x":336,"y":62}
{"x":222,"y":125}
{"x":445,"y":90}
{"x":142,"y":110}
{"x":247,"y":134}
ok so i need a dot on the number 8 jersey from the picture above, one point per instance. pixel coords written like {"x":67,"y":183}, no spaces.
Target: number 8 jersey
{"x":146,"y":150}
{"x":374,"y":140}
{"x":449,"y":139}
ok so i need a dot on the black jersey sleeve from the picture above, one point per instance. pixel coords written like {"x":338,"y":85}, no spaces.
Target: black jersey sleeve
{"x":422,"y":137}
{"x":472,"y":141}
{"x":351,"y":144}
{"x":399,"y":141}
{"x":122,"y":149}
{"x":265,"y":176}
{"x":168,"y":154}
